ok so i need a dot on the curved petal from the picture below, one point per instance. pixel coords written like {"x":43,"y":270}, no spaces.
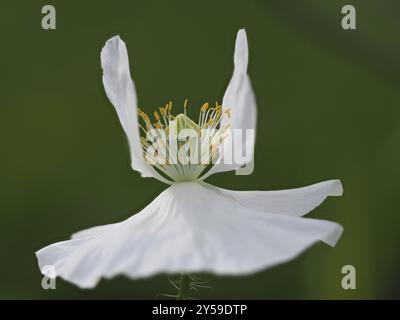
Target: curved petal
{"x":294,"y":202}
{"x":240,"y":103}
{"x":208,"y":231}
{"x":90,"y":232}
{"x":120,"y":90}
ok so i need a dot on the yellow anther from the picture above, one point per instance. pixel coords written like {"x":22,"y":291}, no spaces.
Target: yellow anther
{"x":156,"y":116}
{"x":162,"y":110}
{"x":145,"y":118}
{"x":185,"y":104}
{"x":209,"y":122}
{"x":228,"y":112}
{"x":144,"y":141}
{"x":204,"y":107}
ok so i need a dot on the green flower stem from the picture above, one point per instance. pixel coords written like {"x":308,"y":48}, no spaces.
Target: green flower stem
{"x":184,"y":287}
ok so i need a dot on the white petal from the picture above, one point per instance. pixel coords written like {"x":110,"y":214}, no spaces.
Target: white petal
{"x":208,"y":231}
{"x":87,"y":233}
{"x":120,"y":90}
{"x":240,"y":98}
{"x":295,"y":202}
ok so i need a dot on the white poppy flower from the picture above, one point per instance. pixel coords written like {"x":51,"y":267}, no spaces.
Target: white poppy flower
{"x":193,"y":226}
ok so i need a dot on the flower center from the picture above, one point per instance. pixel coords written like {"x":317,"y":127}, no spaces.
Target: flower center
{"x":180,"y":148}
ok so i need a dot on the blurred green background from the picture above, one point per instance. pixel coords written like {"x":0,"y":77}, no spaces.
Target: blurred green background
{"x":328,"y":107}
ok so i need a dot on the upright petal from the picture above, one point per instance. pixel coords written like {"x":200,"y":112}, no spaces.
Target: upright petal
{"x":120,"y":90}
{"x":239,"y":110}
